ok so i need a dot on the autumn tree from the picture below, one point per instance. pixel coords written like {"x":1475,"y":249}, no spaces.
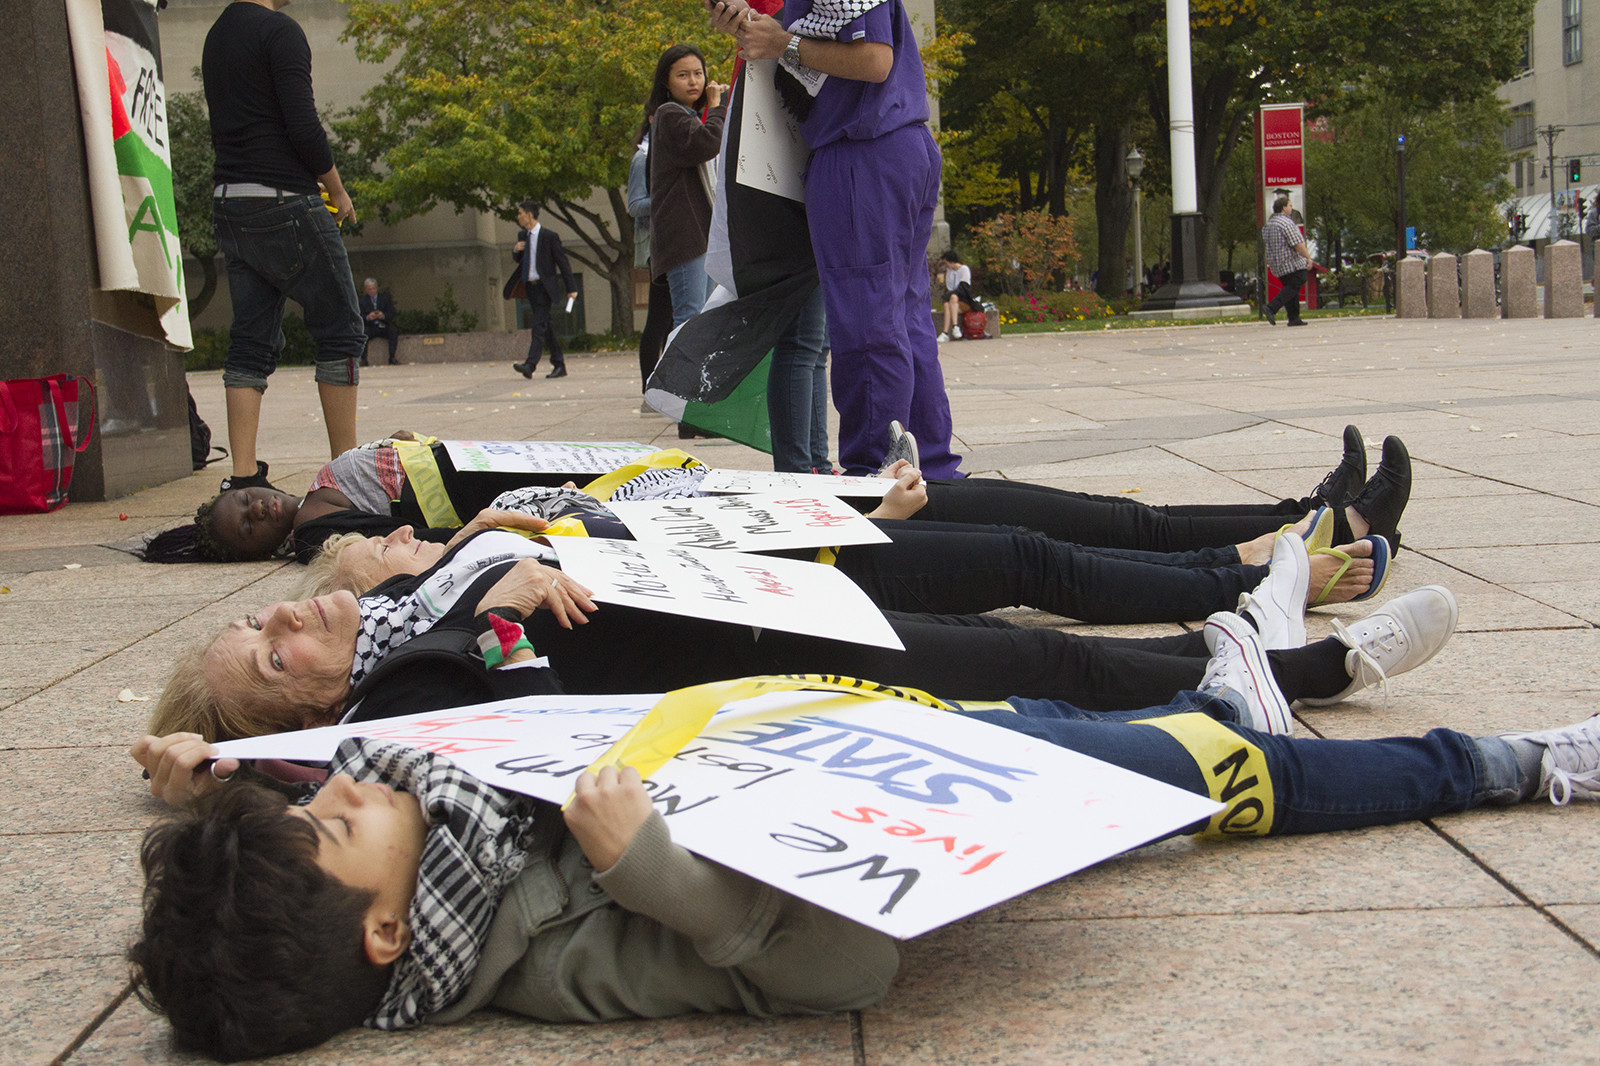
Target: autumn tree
{"x":488,"y":102}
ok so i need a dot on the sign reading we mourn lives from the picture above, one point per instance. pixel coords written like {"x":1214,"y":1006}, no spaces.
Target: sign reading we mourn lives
{"x":735,"y":481}
{"x":116,"y":55}
{"x":543,"y":456}
{"x":755,"y":522}
{"x":726,"y":586}
{"x":900,"y":817}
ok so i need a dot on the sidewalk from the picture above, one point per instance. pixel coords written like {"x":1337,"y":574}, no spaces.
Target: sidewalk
{"x":1468,"y":939}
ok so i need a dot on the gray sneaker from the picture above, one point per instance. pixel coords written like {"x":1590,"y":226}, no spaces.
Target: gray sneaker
{"x":902,"y":445}
{"x":1278,"y":604}
{"x":1239,"y":662}
{"x":1401,"y":635}
{"x":1570,"y":768}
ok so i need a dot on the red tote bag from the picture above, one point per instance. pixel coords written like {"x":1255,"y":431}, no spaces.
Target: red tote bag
{"x":40,"y":436}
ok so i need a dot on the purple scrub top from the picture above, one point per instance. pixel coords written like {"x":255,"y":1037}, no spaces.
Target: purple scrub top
{"x":859,"y":110}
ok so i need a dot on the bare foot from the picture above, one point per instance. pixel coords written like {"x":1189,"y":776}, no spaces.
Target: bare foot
{"x":1359,"y":526}
{"x":1352,"y":583}
{"x":1258,"y":552}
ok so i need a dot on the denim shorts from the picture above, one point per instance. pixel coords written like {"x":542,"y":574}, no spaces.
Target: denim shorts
{"x":286,"y":248}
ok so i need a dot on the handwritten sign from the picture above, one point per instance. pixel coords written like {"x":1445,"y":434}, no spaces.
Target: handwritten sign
{"x":543,"y":456}
{"x":736,"y":481}
{"x":899,"y":817}
{"x":726,"y":586}
{"x":755,"y":522}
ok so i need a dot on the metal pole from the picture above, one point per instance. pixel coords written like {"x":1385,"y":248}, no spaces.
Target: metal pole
{"x":1549,"y":133}
{"x":1400,"y":191}
{"x":1138,"y":243}
{"x":1180,"y":106}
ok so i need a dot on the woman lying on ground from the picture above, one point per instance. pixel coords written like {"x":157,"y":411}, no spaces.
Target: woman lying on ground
{"x":417,"y":643}
{"x":353,"y":493}
{"x":241,"y":945}
{"x":937,"y":568}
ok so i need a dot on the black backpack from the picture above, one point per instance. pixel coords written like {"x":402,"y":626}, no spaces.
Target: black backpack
{"x":200,"y":439}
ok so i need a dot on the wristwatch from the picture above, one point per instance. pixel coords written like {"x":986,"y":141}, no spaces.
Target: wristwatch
{"x":791,"y":51}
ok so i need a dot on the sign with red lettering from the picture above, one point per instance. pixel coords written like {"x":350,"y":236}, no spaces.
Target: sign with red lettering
{"x":727,"y":586}
{"x":898,"y":816}
{"x":720,"y":480}
{"x":754,"y":522}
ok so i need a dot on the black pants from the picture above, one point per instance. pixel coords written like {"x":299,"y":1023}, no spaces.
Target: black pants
{"x":657,"y":324}
{"x":1110,"y":521}
{"x":1289,"y":294}
{"x":972,"y":657}
{"x":542,"y":333}
{"x":383,"y":329}
{"x":947,"y":568}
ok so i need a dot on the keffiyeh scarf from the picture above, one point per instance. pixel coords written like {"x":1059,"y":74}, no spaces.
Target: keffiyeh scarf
{"x":476,"y":846}
{"x":664,"y":483}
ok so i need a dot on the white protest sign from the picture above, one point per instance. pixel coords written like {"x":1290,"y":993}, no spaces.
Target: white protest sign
{"x":898,"y":816}
{"x":775,"y":481}
{"x":754,"y":522}
{"x":725,"y":586}
{"x":543,"y":456}
{"x":772,"y":152}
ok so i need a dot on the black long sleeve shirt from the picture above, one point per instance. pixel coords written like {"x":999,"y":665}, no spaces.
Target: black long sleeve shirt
{"x":264,"y":126}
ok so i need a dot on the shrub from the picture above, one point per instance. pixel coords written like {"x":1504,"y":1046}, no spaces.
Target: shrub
{"x":1070,"y":306}
{"x":447,"y":316}
{"x":1039,"y":244}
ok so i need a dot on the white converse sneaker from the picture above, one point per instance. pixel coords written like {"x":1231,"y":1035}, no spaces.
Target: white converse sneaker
{"x":1570,"y":768}
{"x":1239,"y":662}
{"x":1278,"y":604}
{"x":1402,"y":635}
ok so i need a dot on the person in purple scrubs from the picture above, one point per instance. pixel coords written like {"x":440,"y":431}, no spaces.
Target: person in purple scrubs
{"x":851,"y":71}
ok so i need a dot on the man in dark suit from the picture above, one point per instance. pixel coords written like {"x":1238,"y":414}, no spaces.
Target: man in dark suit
{"x":377,"y":316}
{"x":544,"y":275}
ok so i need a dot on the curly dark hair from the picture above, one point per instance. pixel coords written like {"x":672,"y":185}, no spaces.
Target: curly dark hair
{"x":195,"y":542}
{"x":247,"y":946}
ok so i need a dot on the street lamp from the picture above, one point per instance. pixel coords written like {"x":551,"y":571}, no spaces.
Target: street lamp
{"x":1135,"y":164}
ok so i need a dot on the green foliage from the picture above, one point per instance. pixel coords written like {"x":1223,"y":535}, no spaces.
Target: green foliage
{"x":189,"y":129}
{"x":1455,"y":175}
{"x":1039,"y":243}
{"x":1070,"y":306}
{"x":211,"y":346}
{"x":487,"y":102}
{"x":447,"y":316}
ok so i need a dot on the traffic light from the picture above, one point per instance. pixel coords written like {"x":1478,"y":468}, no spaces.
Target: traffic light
{"x":1574,"y":171}
{"x":1583,"y":210}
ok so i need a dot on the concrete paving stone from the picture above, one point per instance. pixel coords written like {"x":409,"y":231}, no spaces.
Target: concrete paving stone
{"x":1578,"y":598}
{"x":1543,"y":850}
{"x":1483,"y":604}
{"x":133,"y":1036}
{"x":196,"y":581}
{"x":45,"y":1005}
{"x":107,"y":794}
{"x":68,"y":894}
{"x":108,"y":630}
{"x":1413,"y":713}
{"x":1582,"y":920}
{"x":1344,"y":987}
{"x":1386,"y":868}
{"x":1496,"y":521}
{"x":36,"y":665}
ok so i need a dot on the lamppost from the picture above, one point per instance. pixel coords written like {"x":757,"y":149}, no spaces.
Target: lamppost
{"x":1135,"y":164}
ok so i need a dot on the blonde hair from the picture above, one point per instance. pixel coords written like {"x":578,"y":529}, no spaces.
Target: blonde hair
{"x":190,"y":703}
{"x":324,"y":575}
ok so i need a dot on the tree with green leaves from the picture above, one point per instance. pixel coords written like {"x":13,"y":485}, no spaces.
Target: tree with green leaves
{"x":189,"y":126}
{"x":488,"y":102}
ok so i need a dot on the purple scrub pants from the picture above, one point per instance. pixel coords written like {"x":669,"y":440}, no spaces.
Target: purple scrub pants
{"x":871,"y":207}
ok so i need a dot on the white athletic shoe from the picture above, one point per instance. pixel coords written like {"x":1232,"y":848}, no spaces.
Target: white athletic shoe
{"x":1278,"y":604}
{"x":1570,"y":768}
{"x":1401,"y":635}
{"x":955,"y":333}
{"x":943,"y":337}
{"x":1239,"y":662}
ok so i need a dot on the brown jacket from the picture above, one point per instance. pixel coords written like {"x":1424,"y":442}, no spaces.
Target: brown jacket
{"x":680,"y":206}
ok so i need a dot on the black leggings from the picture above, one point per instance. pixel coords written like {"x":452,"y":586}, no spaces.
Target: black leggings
{"x":971,"y":657}
{"x":1110,"y":521}
{"x":950,"y":568}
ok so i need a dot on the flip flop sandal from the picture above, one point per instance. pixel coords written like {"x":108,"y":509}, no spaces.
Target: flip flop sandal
{"x":1380,"y":570}
{"x":1319,"y":535}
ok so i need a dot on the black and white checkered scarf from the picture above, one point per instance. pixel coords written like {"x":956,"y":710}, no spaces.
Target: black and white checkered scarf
{"x":664,"y":483}
{"x":476,"y":846}
{"x":389,"y":621}
{"x":827,"y":17}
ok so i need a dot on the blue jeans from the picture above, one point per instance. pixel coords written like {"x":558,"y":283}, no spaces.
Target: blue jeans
{"x":797,"y":392}
{"x":1317,"y":785}
{"x":690,"y":287}
{"x":278,"y":249}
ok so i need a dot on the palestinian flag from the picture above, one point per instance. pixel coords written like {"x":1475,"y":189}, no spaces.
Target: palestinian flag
{"x":122,"y":94}
{"x":713,"y":374}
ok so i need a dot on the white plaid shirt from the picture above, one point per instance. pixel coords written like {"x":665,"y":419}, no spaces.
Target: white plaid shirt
{"x":1280,"y":235}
